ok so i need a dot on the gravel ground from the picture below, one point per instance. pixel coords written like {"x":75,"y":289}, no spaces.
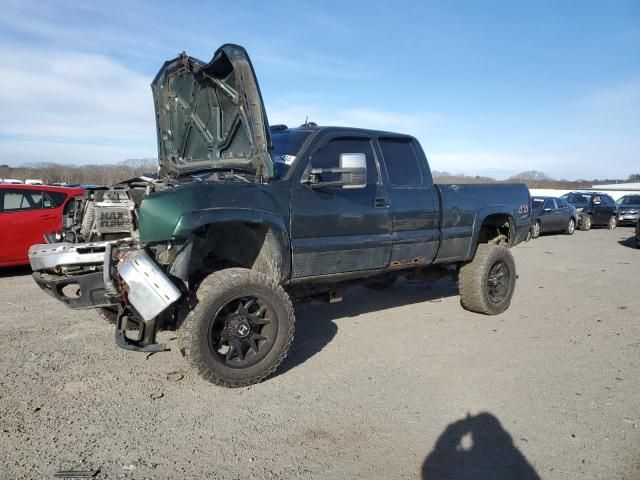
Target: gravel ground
{"x":398,"y":384}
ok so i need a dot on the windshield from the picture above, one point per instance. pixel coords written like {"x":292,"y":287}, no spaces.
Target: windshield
{"x":577,"y":197}
{"x":630,"y":200}
{"x":537,"y":203}
{"x":286,"y":146}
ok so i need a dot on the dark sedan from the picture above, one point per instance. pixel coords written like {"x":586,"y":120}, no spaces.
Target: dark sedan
{"x":594,"y":209}
{"x":629,"y":209}
{"x":550,"y":214}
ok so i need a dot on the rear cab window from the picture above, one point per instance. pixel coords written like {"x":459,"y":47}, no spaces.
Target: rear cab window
{"x":401,"y":161}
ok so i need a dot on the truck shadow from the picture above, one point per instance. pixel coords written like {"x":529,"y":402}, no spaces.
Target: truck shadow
{"x":315,"y":320}
{"x":476,"y":447}
{"x":7,"y":272}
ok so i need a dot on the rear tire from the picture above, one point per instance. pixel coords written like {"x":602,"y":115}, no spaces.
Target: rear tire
{"x":571,"y":227}
{"x":239,"y":330}
{"x":613,"y":222}
{"x":535,"y":229}
{"x":585,"y":223}
{"x":487,"y":283}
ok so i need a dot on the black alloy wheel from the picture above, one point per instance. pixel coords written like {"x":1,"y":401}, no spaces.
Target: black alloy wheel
{"x":241,"y":332}
{"x":498,"y":282}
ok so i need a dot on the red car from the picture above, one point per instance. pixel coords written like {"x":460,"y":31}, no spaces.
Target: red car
{"x":27,"y":212}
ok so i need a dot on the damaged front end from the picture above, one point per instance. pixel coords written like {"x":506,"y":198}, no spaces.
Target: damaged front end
{"x":119,"y":276}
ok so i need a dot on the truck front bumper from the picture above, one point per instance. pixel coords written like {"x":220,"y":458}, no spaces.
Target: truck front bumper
{"x":142,"y":284}
{"x":85,"y":289}
{"x":79,"y":291}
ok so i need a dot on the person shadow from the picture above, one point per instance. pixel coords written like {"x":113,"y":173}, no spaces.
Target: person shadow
{"x":316,"y":321}
{"x":476,"y":448}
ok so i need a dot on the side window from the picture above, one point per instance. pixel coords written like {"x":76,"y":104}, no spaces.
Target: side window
{"x":37,"y":199}
{"x":403,"y":165}
{"x":549,"y":203}
{"x":328,"y":156}
{"x":597,"y":199}
{"x":608,"y":200}
{"x":14,"y":200}
{"x":57,"y":198}
{"x":561,"y":203}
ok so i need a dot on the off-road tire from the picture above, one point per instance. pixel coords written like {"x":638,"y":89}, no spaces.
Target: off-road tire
{"x":585,"y":223}
{"x":571,"y":227}
{"x":474,"y":277}
{"x":612,"y":223}
{"x":381,"y":284}
{"x":212,"y":294}
{"x":535,"y":229}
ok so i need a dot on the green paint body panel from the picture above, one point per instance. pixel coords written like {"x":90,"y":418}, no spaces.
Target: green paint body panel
{"x":174,"y":213}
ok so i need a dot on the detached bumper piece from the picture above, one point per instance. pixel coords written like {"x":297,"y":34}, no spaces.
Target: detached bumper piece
{"x":150,"y":292}
{"x":145,"y":340}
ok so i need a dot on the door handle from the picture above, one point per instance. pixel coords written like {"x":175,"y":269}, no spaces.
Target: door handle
{"x":381,"y":202}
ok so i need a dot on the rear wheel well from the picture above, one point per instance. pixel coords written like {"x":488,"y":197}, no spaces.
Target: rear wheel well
{"x":497,"y":229}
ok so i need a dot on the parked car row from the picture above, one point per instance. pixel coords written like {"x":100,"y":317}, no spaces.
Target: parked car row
{"x":27,"y":213}
{"x":583,"y":210}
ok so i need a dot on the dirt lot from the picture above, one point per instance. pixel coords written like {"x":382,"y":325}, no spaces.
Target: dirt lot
{"x":398,"y":384}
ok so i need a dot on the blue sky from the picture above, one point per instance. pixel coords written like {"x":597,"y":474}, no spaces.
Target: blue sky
{"x":489,"y":88}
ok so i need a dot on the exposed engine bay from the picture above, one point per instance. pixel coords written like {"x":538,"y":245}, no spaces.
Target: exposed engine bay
{"x":106,"y":213}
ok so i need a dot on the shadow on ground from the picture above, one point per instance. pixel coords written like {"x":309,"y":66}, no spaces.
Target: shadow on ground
{"x":630,"y":242}
{"x":315,"y":326}
{"x":7,"y":272}
{"x":476,"y":448}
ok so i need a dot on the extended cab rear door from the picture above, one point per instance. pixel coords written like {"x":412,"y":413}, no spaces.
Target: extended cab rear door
{"x":337,"y":230}
{"x":413,"y":201}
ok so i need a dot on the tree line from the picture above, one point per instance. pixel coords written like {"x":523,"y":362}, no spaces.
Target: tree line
{"x":109,"y":174}
{"x":105,"y":174}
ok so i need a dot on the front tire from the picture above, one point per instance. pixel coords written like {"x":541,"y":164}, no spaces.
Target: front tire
{"x":535,"y":229}
{"x":240,"y":329}
{"x":571,"y":227}
{"x":487,"y":283}
{"x":585,"y":223}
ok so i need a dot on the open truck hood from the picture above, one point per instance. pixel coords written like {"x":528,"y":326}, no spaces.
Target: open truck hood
{"x":211,"y":115}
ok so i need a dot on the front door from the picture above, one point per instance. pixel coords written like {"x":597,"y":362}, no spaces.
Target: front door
{"x":339,"y":229}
